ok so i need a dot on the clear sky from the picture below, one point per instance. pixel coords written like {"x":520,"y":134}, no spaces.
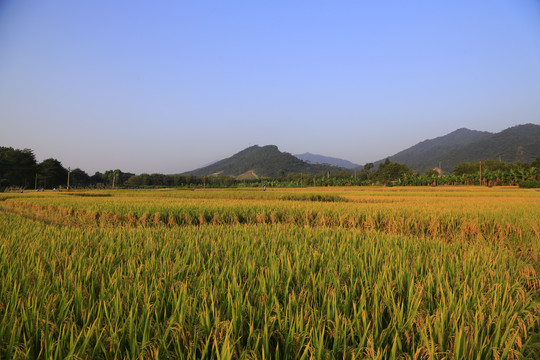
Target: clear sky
{"x":169,"y":86}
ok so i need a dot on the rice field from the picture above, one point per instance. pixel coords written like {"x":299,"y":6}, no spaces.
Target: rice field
{"x":312,"y":273}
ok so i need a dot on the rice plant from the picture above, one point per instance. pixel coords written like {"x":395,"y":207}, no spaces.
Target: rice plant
{"x":243,"y":274}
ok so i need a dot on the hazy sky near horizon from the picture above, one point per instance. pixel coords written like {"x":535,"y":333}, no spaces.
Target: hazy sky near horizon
{"x":169,"y":86}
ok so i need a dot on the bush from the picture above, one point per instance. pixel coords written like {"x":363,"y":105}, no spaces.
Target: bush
{"x":530,"y":184}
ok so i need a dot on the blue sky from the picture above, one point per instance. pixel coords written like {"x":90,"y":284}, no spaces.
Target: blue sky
{"x":169,"y":86}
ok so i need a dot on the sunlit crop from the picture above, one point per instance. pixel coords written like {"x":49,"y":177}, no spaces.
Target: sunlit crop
{"x":426,"y":273}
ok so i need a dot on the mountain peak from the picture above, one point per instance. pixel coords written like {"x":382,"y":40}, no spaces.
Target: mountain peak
{"x":266,"y":161}
{"x":321,"y":159}
{"x":521,"y":142}
{"x":518,"y":143}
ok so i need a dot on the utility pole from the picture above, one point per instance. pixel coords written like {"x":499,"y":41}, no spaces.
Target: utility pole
{"x":69,"y":172}
{"x":480,"y":172}
{"x":301,"y":180}
{"x":113,"y":180}
{"x":204,"y":181}
{"x":35,"y":183}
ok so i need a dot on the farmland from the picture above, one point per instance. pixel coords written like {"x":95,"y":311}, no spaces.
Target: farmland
{"x":346,"y":272}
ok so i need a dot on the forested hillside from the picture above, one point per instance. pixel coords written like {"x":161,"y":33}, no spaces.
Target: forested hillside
{"x":265,"y":161}
{"x":518,"y":143}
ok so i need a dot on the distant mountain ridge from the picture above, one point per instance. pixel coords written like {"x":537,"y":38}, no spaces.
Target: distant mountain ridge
{"x":518,"y":143}
{"x":321,"y":159}
{"x":265,"y":161}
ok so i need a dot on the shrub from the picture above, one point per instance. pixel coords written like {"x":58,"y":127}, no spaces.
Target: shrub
{"x":530,"y":184}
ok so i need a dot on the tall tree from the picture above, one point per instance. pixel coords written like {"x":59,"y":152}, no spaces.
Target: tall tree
{"x":79,"y":178}
{"x":52,"y":173}
{"x":17,"y":167}
{"x":391,"y":171}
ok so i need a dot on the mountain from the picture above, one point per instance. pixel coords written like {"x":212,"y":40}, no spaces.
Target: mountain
{"x":265,"y":161}
{"x":518,"y":143}
{"x":321,"y":159}
{"x":427,"y":154}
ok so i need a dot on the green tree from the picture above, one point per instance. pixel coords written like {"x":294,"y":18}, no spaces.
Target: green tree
{"x":79,"y":178}
{"x":388,"y":171}
{"x":97,"y":179}
{"x":114,"y":177}
{"x":466,"y":168}
{"x":430,"y":173}
{"x":52,"y":173}
{"x":365,"y":173}
{"x":17,"y":167}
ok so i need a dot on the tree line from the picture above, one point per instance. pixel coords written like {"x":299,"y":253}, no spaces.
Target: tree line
{"x":20,"y":170}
